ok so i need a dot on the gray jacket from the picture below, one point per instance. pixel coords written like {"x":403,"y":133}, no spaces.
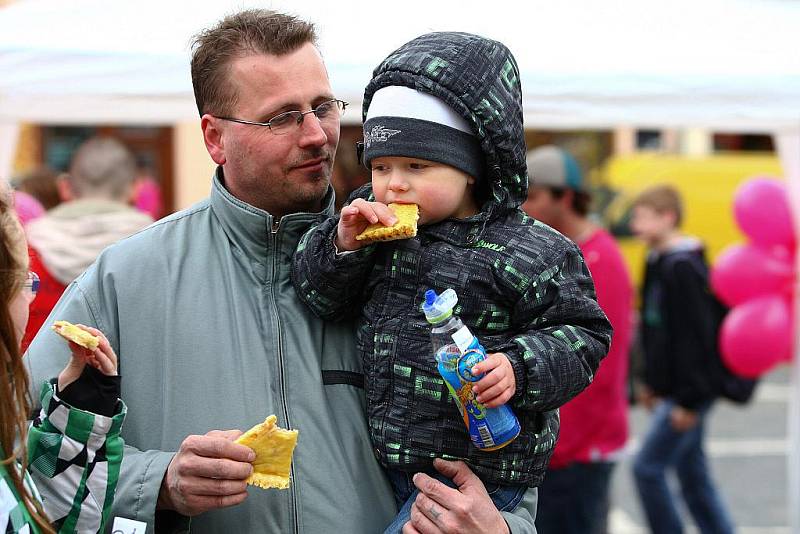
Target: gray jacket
{"x":210,"y":335}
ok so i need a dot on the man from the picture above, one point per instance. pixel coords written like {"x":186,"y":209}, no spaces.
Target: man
{"x":211,"y":335}
{"x":94,"y":213}
{"x":594,"y":425}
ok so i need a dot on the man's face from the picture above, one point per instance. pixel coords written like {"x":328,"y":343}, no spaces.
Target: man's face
{"x":544,"y":206}
{"x":284,"y":173}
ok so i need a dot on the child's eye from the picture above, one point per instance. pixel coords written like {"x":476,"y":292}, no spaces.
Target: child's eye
{"x":378,"y":167}
{"x":418,"y":166}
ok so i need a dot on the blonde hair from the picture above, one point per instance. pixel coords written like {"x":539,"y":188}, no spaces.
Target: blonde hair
{"x":662,"y":199}
{"x":14,"y":389}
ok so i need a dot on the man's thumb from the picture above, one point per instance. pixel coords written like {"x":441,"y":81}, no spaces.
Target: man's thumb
{"x":457,"y":471}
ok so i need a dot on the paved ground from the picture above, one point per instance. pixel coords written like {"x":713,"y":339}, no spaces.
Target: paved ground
{"x":747,"y":447}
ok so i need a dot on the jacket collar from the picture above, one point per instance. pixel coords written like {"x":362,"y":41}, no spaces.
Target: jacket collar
{"x":251,"y":227}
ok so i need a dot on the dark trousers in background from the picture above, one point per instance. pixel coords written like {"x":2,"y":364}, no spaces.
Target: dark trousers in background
{"x":574,"y":499}
{"x":664,"y":448}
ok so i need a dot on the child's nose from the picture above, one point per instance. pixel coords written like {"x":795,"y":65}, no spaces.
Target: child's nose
{"x":398,"y":182}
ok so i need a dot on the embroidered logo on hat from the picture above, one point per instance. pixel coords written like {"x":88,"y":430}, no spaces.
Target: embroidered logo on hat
{"x":378,"y":134}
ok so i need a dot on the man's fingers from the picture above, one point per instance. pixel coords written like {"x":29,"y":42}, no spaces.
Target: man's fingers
{"x":213,"y":486}
{"x":457,"y":471}
{"x":217,"y":447}
{"x":420,"y":520}
{"x":230,"y":435}
{"x":203,"y":503}
{"x":439,"y":492}
{"x":217,"y":468}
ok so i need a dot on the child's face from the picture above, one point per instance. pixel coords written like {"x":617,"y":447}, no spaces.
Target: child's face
{"x":651,"y":226}
{"x":440,"y":191}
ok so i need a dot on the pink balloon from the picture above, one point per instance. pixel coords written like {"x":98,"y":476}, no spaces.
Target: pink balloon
{"x":761,"y":208}
{"x":743,"y":272}
{"x":757,"y":335}
{"x":27,"y":207}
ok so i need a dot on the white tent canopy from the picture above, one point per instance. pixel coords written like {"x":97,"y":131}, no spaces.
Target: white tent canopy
{"x":724,"y":64}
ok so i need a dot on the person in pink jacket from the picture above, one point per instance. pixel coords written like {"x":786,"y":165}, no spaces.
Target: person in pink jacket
{"x":594,"y":425}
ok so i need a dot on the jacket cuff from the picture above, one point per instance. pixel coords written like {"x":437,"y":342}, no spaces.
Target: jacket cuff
{"x":520,"y":372}
{"x":75,"y":423}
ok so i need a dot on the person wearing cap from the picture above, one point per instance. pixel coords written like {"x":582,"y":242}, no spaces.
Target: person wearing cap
{"x":594,"y":425}
{"x":443,"y":130}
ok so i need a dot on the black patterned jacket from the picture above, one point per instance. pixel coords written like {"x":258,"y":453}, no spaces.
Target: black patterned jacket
{"x":523,"y":288}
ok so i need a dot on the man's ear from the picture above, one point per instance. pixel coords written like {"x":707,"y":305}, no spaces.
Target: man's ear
{"x":212,"y":136}
{"x":65,"y":191}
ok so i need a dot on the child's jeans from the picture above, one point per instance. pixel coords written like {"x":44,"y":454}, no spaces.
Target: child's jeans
{"x":505,"y":498}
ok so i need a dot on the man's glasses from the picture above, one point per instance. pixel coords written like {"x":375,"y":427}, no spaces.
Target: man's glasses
{"x":328,"y":113}
{"x":31,"y":284}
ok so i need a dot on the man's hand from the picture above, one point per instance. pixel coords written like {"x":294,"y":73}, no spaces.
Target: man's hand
{"x":499,"y":384}
{"x":355,"y":218}
{"x":440,"y":509}
{"x":682,"y":419}
{"x":207,"y":472}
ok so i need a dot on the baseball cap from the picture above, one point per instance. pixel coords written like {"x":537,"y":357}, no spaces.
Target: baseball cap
{"x":552,"y":166}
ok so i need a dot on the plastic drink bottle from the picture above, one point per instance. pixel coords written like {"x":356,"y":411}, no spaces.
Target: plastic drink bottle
{"x":456,"y":351}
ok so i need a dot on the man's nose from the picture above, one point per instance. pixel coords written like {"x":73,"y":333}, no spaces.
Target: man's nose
{"x":311,"y":132}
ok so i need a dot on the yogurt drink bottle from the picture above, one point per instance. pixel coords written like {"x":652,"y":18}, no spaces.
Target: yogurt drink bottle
{"x":456,"y":351}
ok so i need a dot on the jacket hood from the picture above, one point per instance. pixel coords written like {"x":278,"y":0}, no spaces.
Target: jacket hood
{"x":71,"y":236}
{"x":479,"y":79}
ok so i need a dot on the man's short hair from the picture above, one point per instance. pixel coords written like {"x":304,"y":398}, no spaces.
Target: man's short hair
{"x":662,"y":199}
{"x":102,"y":167}
{"x":253,"y":31}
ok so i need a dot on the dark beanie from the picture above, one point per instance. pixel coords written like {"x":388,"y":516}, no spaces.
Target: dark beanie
{"x":405,"y":122}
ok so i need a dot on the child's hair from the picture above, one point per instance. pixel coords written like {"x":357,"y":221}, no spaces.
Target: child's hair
{"x":14,"y":389}
{"x":662,"y":199}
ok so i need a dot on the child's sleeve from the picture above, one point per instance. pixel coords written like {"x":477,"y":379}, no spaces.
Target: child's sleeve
{"x":329,"y":282}
{"x":561,"y":332}
{"x":76,"y":455}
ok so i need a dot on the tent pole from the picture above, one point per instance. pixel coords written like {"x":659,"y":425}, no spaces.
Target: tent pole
{"x":788,"y":147}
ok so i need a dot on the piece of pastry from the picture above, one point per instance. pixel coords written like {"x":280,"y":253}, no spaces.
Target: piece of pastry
{"x":273,"y":447}
{"x":77,"y":335}
{"x":405,"y":227}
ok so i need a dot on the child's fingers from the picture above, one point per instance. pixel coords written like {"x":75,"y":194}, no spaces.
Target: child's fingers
{"x":490,"y":400}
{"x":491,"y":362}
{"x":385,"y":215}
{"x":365,"y":209}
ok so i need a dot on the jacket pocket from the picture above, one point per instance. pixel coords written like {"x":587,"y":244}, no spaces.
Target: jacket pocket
{"x":350,"y":378}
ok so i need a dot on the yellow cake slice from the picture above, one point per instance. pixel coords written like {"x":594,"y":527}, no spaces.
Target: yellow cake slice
{"x":77,"y":335}
{"x":405,"y":227}
{"x":273,"y":447}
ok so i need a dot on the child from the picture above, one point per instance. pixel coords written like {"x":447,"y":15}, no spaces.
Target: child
{"x":76,"y":454}
{"x":443,"y":129}
{"x":679,"y":341}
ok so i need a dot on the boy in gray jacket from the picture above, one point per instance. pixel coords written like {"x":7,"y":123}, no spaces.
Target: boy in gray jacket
{"x":443,"y":130}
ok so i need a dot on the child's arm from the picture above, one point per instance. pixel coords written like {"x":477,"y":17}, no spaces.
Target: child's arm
{"x":329,"y":278}
{"x":561,"y":334}
{"x":89,"y":381}
{"x":356,"y":217}
{"x":81,"y":491}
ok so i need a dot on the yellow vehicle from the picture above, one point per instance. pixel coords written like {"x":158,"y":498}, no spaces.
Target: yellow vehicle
{"x":707,"y":184}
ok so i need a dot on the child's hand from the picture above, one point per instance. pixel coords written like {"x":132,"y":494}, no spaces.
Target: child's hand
{"x":102,"y":358}
{"x":499,"y":384}
{"x":356,"y":217}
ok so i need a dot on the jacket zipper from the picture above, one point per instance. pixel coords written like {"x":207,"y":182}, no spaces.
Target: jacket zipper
{"x":292,"y":494}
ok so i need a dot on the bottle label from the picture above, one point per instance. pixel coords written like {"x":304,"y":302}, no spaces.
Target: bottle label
{"x":463,"y":338}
